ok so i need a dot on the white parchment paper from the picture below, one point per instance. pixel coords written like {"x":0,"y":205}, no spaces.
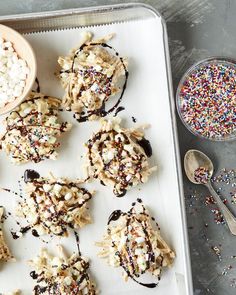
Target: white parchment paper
{"x":146,"y":99}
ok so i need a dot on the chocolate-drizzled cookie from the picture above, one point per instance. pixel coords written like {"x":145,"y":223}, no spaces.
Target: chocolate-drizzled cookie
{"x":61,"y":274}
{"x":32,"y":129}
{"x":132,"y":242}
{"x":52,"y":206}
{"x":90,"y":76}
{"x":117,"y":157}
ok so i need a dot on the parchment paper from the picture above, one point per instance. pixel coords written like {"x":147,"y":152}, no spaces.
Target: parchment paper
{"x":146,"y":99}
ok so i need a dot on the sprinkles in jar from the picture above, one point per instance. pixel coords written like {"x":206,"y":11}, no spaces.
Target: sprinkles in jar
{"x":206,"y":99}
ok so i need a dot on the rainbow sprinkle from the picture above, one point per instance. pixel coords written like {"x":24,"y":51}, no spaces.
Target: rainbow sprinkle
{"x":202,"y":175}
{"x":207,"y":100}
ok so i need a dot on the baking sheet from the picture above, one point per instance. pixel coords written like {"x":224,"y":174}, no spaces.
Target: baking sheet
{"x":146,"y":99}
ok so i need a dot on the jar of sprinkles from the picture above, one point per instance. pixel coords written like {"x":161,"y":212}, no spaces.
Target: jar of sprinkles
{"x":206,"y":99}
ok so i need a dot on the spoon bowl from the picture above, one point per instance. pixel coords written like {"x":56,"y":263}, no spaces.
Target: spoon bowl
{"x":24,"y":51}
{"x":195,"y":159}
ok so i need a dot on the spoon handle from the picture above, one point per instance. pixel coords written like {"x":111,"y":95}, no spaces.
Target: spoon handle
{"x":228,"y":216}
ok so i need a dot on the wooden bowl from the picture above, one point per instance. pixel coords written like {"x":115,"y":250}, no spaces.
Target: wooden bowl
{"x":24,"y":51}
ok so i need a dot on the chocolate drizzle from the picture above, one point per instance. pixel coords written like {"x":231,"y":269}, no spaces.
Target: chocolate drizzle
{"x":77,"y":242}
{"x":134,"y":119}
{"x":146,"y":145}
{"x":40,"y":290}
{"x":33,"y":275}
{"x":23,"y":230}
{"x":35,"y":233}
{"x":103,"y":80}
{"x":30,"y":175}
{"x":122,"y":194}
{"x":118,"y":110}
{"x":115,"y":215}
{"x":37,"y":83}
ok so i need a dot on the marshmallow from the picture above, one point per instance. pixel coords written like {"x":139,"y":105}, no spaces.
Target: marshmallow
{"x":13,"y":73}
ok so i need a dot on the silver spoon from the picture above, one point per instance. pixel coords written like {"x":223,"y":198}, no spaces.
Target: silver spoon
{"x":195,"y":159}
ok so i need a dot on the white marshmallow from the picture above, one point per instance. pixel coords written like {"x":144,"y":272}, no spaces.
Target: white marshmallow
{"x":68,"y":196}
{"x":13,"y":73}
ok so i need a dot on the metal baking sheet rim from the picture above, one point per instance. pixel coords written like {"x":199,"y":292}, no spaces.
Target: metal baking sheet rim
{"x":39,"y":16}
